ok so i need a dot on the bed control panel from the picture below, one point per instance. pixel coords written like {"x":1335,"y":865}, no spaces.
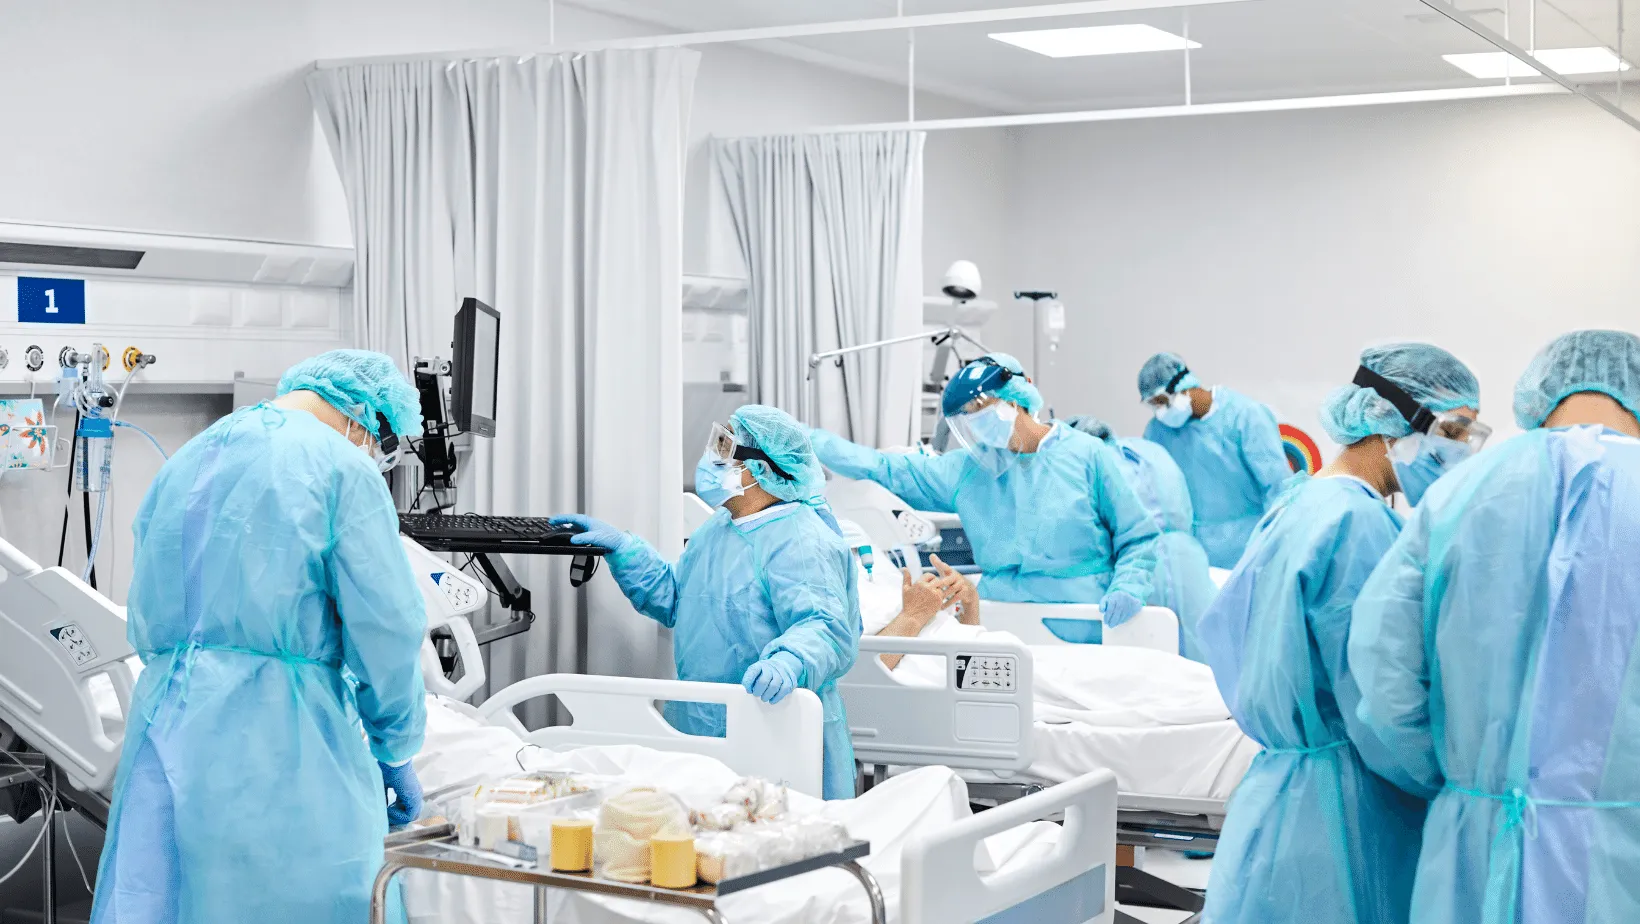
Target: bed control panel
{"x":986,"y":672}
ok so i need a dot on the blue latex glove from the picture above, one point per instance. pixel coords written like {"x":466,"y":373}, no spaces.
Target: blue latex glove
{"x":1119,"y":607}
{"x":406,"y":804}
{"x":773,"y":678}
{"x":593,"y":532}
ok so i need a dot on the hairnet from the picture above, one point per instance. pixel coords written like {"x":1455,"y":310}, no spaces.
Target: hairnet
{"x":360,"y":384}
{"x":980,"y":378}
{"x":1092,"y":426}
{"x":1019,"y":389}
{"x":786,"y":442}
{"x":1604,"y":361}
{"x":1433,"y":377}
{"x":1159,"y":370}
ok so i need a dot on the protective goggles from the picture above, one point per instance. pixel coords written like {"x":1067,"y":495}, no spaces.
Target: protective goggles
{"x":1165,"y":397}
{"x":387,"y":445}
{"x":1450,"y":425}
{"x":721,"y":446}
{"x":384,"y":445}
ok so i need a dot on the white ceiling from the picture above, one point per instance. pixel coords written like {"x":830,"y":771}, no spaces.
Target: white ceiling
{"x":1254,"y":50}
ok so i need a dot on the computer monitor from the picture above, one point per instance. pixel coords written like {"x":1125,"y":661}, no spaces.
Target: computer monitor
{"x":475,"y":367}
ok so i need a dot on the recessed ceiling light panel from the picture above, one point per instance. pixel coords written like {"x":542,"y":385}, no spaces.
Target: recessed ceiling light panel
{"x":1492,"y":65}
{"x":1084,"y":41}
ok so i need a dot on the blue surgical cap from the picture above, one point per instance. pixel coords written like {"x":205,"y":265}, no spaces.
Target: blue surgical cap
{"x":360,"y":384}
{"x":1433,"y":377}
{"x":1603,"y":361}
{"x":1092,"y":426}
{"x":1018,"y":389}
{"x":1161,"y":369}
{"x":786,"y":442}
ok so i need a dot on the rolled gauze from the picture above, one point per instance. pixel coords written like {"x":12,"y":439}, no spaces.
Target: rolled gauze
{"x":620,"y":844}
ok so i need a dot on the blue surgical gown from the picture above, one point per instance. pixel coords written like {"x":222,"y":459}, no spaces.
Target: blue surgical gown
{"x":1061,"y":525}
{"x":1311,"y":834}
{"x":1235,"y":465}
{"x":1180,"y":580}
{"x":782,"y":580}
{"x":280,"y":625}
{"x":1496,"y":650}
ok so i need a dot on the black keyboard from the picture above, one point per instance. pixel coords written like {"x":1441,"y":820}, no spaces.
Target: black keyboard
{"x":472,"y":532}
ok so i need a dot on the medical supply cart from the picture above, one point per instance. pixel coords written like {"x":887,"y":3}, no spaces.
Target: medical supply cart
{"x":434,"y":848}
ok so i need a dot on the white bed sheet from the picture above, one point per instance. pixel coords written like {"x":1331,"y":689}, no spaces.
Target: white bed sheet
{"x":460,"y":748}
{"x":1201,"y":761}
{"x":1153,"y":718}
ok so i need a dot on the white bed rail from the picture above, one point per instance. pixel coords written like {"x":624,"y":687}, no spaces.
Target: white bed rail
{"x":783,"y":742}
{"x":1154,"y":627}
{"x":1076,"y":884}
{"x":979,"y":718}
{"x":56,"y":633}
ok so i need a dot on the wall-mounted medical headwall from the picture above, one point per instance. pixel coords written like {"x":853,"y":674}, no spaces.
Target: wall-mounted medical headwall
{"x":209,"y":309}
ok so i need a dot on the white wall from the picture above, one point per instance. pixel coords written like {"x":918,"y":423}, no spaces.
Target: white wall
{"x":1268,"y":249}
{"x":191,"y":117}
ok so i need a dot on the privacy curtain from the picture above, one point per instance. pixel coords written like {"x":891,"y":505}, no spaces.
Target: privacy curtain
{"x":830,"y":227}
{"x":550,"y":188}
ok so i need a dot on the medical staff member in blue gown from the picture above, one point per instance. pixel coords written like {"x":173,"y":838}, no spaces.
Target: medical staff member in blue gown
{"x":1228,"y":446}
{"x":1312,"y":833}
{"x":1180,"y":580}
{"x":765,"y":592}
{"x":1050,"y":515}
{"x":1496,"y":649}
{"x":281,"y":629}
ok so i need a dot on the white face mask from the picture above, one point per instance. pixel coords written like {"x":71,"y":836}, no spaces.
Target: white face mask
{"x":1176,"y":413}
{"x":383,"y":461}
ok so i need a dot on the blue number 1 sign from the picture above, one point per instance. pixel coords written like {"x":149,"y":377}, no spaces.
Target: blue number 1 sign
{"x":50,"y":301}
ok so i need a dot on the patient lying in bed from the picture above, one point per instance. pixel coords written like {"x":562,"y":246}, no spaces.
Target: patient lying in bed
{"x":1154,"y":718}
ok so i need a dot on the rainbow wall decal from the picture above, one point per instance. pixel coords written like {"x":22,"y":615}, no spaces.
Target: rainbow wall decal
{"x":1302,"y":453}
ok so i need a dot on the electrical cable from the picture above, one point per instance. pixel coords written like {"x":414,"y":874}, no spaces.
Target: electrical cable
{"x":90,"y":573}
{"x":84,"y":879}
{"x":68,"y":502}
{"x":46,"y":815}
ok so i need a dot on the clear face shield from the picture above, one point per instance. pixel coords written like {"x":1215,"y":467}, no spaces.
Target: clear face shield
{"x":985,"y":427}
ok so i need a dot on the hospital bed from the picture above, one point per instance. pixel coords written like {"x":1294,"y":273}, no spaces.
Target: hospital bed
{"x":59,"y":638}
{"x":983,"y":719}
{"x":982,"y":715}
{"x":1072,"y":880}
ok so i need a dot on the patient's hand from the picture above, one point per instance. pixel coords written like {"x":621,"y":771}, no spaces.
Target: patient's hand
{"x":960,"y":589}
{"x":921,"y":600}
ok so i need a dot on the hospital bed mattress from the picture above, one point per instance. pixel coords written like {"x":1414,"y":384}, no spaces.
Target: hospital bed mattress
{"x":1204,"y":760}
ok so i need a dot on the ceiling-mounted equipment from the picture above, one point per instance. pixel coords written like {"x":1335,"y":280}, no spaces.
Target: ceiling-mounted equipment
{"x":962,"y":281}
